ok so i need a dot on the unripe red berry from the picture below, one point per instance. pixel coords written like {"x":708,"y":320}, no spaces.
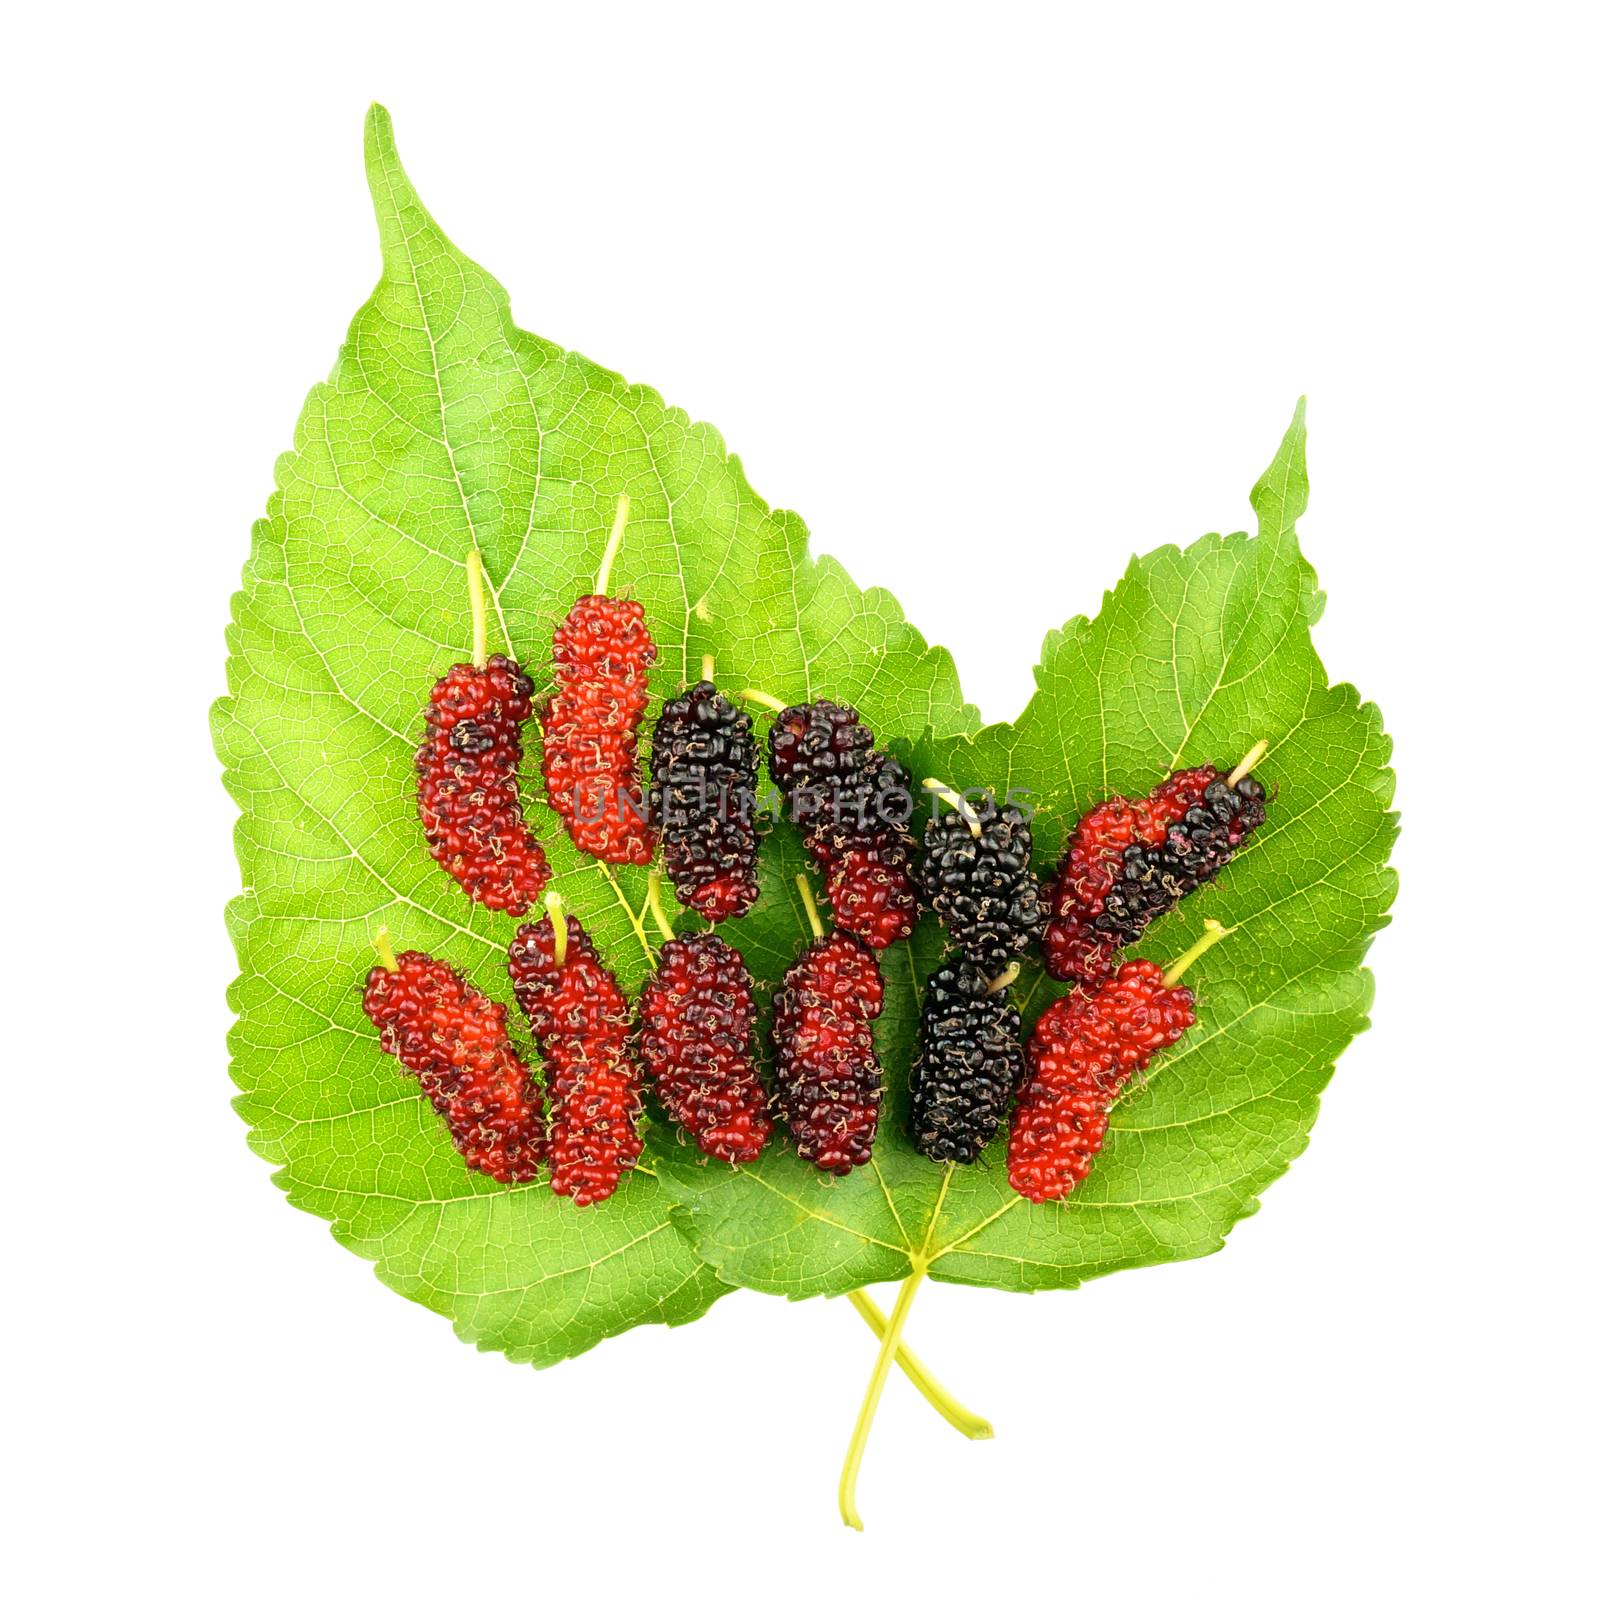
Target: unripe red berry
{"x":578,"y":1015}
{"x":696,"y":1022}
{"x":603,"y":653}
{"x":467,"y":795}
{"x":453,"y":1039}
{"x":1083,"y":1049}
{"x":829,"y":1079}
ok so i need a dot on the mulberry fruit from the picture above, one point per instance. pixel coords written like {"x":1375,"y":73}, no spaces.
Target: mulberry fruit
{"x":968,"y":1067}
{"x":1128,"y":862}
{"x":579,"y":1018}
{"x":1083,"y":1049}
{"x":980,"y":882}
{"x":851,"y":804}
{"x":829,"y":1080}
{"x":453,"y":1040}
{"x":816,"y":747}
{"x":696,"y":1020}
{"x":467,"y":794}
{"x":603,"y":653}
{"x":702,"y":796}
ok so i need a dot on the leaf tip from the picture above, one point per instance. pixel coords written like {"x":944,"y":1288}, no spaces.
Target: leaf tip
{"x":391,"y":189}
{"x":1281,"y":493}
{"x":379,"y":132}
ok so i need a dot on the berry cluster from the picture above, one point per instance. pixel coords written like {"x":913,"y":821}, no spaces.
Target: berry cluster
{"x":968,"y":1066}
{"x":702,"y":796}
{"x":578,"y":1015}
{"x":453,"y":1039}
{"x":976,"y":875}
{"x":1129,"y":861}
{"x":851,"y":805}
{"x":467,"y":794}
{"x":829,"y":1080}
{"x":1083,"y":1049}
{"x":603,"y":652}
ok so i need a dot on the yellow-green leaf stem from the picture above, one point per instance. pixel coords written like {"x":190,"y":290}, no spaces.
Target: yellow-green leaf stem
{"x":887,"y":1350}
{"x":963,"y":1420}
{"x":1214,"y":934}
{"x":759,"y":697}
{"x":1251,"y":757}
{"x":480,"y":611}
{"x":385,"y":949}
{"x":619,"y":523}
{"x":1007,"y":976}
{"x":809,"y":900}
{"x":956,"y":802}
{"x":558,"y":925}
{"x":658,"y":912}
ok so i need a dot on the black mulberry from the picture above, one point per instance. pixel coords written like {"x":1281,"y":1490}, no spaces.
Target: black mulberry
{"x":702,"y":796}
{"x":981,"y":885}
{"x":969,"y":1066}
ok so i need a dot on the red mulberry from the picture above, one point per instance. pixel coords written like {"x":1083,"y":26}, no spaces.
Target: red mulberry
{"x":1127,"y":862}
{"x":603,"y":653}
{"x":467,"y":794}
{"x":851,"y":804}
{"x":829,"y":1080}
{"x":968,"y":1066}
{"x":453,"y":1039}
{"x":696,"y":1019}
{"x":982,"y":884}
{"x":1082,"y":1051}
{"x":703,"y":795}
{"x":579,"y":1018}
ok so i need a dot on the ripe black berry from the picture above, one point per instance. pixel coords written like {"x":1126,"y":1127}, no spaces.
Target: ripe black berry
{"x":968,"y":1067}
{"x":816,"y":746}
{"x":702,"y":796}
{"x":829,"y":1080}
{"x":981,"y":885}
{"x":696,"y":1020}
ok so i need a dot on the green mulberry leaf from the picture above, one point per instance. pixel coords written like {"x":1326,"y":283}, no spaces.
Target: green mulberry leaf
{"x":442,"y":426}
{"x":1195,"y":655}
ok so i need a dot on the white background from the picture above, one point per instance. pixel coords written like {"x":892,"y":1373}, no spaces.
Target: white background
{"x":995,"y":297}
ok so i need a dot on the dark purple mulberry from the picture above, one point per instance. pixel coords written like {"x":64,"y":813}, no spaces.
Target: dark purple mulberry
{"x":702,"y":797}
{"x":969,"y":1065}
{"x":982,"y":887}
